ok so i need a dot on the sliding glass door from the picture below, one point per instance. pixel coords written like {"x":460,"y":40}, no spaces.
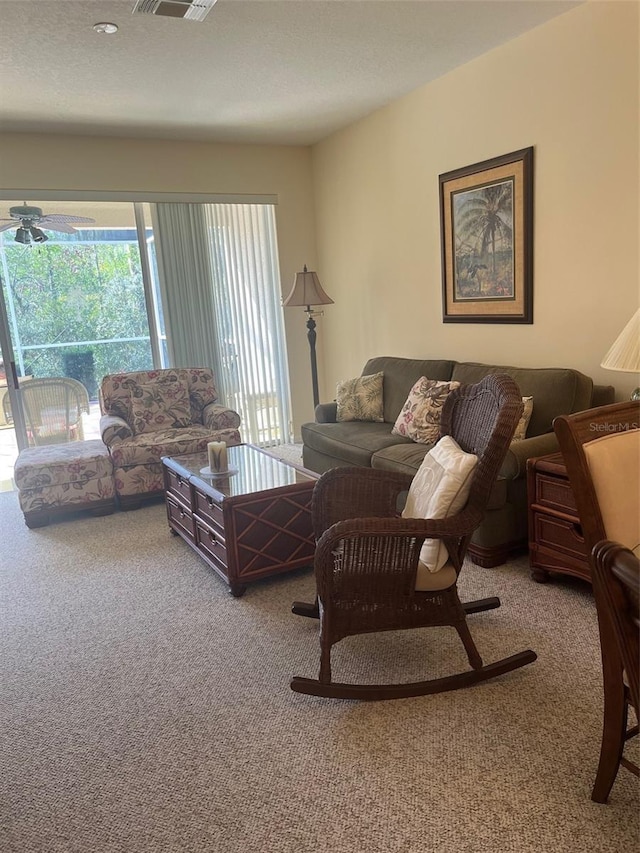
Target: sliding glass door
{"x":75,"y":307}
{"x":95,"y":298}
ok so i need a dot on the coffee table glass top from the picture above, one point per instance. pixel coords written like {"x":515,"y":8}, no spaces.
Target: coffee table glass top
{"x":256,"y":471}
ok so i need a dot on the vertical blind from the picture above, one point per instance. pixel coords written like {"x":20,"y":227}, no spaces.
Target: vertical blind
{"x":221,"y":297}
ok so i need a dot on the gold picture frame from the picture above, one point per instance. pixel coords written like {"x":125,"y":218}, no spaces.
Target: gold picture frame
{"x":486,"y":221}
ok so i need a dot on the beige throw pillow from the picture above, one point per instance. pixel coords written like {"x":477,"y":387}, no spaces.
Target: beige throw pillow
{"x":360,"y":399}
{"x":439,"y":489}
{"x":419,"y":418}
{"x":160,"y":405}
{"x":521,"y":429}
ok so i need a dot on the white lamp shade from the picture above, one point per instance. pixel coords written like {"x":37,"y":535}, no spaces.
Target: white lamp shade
{"x":624,"y":355}
{"x":307,"y":290}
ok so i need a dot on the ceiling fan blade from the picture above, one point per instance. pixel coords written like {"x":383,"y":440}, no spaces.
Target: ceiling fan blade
{"x":63,"y":217}
{"x":64,"y":227}
{"x":6,"y":227}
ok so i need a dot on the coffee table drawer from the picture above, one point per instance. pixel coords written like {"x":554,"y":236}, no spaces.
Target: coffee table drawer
{"x":180,"y":516}
{"x":178,"y":485}
{"x":209,"y":510}
{"x":211,"y":544}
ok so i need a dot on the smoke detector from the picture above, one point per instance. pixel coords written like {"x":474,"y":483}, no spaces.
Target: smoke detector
{"x":191,"y":10}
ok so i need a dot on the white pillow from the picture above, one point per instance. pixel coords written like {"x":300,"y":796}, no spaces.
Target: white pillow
{"x":440,"y":488}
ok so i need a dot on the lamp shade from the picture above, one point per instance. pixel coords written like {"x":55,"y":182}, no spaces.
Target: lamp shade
{"x":624,"y":355}
{"x":307,"y":290}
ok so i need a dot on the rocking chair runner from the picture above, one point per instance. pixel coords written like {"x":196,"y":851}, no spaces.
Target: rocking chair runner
{"x":367,"y":558}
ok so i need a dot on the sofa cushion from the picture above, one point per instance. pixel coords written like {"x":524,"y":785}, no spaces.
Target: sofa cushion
{"x":360,"y":399}
{"x":405,"y":456}
{"x":556,"y":391}
{"x":419,"y":418}
{"x":439,"y":489}
{"x":350,"y":442}
{"x":160,"y":405}
{"x":400,"y":375}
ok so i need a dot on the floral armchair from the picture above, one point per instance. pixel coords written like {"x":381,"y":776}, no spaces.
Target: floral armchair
{"x":154,"y":413}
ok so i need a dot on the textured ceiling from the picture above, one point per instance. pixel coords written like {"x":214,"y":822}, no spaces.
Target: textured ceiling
{"x":254,"y":71}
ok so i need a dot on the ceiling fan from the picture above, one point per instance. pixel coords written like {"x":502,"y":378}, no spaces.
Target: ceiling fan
{"x":26,"y":220}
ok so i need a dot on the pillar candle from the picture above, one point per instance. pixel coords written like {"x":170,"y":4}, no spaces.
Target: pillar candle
{"x":217,"y":451}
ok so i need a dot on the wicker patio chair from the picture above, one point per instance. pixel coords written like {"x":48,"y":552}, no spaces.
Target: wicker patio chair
{"x":53,"y":408}
{"x":367,"y":557}
{"x":601,"y":450}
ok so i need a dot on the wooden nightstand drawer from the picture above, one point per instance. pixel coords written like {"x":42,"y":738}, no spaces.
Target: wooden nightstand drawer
{"x":559,"y":535}
{"x":555,"y":493}
{"x":180,"y":516}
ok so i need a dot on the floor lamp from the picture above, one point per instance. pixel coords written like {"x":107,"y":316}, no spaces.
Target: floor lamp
{"x":307,"y":291}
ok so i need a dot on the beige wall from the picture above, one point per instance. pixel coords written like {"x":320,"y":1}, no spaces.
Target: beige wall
{"x":570,"y":89}
{"x":51,"y":162}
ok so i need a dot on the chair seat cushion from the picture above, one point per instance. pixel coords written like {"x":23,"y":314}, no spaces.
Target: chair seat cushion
{"x":427,"y":581}
{"x":150,"y":447}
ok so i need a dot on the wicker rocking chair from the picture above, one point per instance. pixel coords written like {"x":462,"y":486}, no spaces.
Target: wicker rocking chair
{"x":367,"y":557}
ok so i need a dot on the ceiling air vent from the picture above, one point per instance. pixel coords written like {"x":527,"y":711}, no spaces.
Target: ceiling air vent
{"x":192,"y":10}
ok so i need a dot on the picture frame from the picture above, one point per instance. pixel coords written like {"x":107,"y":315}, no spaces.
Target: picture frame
{"x":486,"y":224}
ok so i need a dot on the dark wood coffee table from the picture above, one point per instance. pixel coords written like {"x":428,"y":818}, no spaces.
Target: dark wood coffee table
{"x":250,"y":525}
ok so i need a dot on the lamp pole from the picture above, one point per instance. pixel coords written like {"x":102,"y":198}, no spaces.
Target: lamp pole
{"x":307,"y":291}
{"x":311,"y":335}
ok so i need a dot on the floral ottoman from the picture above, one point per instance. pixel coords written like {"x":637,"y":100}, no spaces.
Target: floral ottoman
{"x":59,"y":478}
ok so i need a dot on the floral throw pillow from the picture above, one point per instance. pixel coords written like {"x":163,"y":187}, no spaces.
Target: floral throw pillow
{"x":160,"y":405}
{"x":419,"y":418}
{"x":360,"y":399}
{"x":521,"y":429}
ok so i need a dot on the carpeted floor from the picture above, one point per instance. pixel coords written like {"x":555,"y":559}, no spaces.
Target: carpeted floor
{"x":144,"y":710}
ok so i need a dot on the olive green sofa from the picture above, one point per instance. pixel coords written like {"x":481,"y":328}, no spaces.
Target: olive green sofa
{"x":555,"y":391}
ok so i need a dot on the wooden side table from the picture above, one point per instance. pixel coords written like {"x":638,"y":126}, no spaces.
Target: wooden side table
{"x":556,"y":543}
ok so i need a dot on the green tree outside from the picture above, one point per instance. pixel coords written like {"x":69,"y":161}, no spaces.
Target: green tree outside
{"x":73,"y":296}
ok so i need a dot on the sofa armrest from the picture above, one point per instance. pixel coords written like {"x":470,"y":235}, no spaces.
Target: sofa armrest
{"x":603,"y":395}
{"x":113,"y":429}
{"x":216,"y":417}
{"x":326,"y":413}
{"x":515,"y":463}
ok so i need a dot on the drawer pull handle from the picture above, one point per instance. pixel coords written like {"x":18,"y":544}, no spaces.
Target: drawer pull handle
{"x":213,"y":539}
{"x":210,"y":502}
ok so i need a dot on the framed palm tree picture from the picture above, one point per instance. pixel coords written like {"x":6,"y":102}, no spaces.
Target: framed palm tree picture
{"x":486,"y":215}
